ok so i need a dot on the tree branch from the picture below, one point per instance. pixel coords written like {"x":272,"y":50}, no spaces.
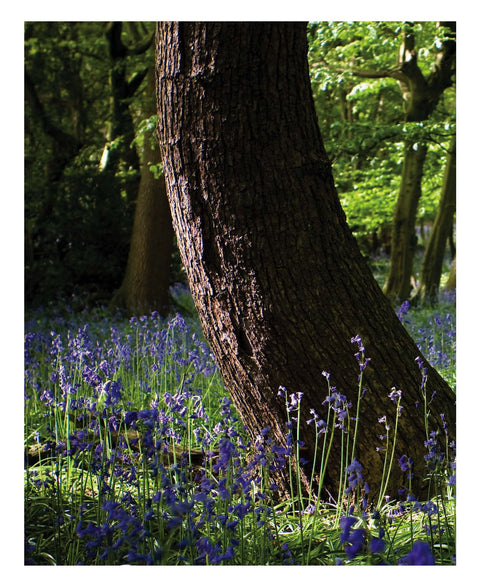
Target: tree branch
{"x":134,"y":83}
{"x":64,"y":140}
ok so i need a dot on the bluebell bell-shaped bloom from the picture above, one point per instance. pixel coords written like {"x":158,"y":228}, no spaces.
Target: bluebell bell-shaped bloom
{"x":346,"y":523}
{"x":356,"y":540}
{"x":420,"y":555}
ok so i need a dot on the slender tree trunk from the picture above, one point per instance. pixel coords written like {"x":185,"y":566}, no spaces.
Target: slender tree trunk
{"x":278,"y":279}
{"x":421,"y":95}
{"x":431,"y":271}
{"x":452,"y":278}
{"x":119,"y":153}
{"x":398,"y":286}
{"x":147,"y":277}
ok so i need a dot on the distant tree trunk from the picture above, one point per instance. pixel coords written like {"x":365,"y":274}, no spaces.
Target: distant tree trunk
{"x":119,"y":153}
{"x":421,"y":96}
{"x":277,"y":277}
{"x":398,"y":285}
{"x":431,"y":271}
{"x":452,"y":278}
{"x":147,"y":277}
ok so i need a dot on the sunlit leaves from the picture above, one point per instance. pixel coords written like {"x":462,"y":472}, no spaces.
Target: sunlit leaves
{"x":361,"y":114}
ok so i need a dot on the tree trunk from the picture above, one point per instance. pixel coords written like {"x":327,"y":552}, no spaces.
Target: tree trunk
{"x":398,"y":286}
{"x":452,"y":278}
{"x":147,"y":277}
{"x":277,"y":277}
{"x":120,"y":155}
{"x":431,"y":271}
{"x":421,"y":96}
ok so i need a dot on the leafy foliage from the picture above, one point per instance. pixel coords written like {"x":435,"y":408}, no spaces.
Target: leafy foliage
{"x":78,"y":217}
{"x":361,"y":116}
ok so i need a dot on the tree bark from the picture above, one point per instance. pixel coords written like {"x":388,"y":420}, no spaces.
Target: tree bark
{"x":431,"y":270}
{"x":452,"y":278}
{"x":398,"y":285}
{"x":277,"y":277}
{"x":147,"y":277}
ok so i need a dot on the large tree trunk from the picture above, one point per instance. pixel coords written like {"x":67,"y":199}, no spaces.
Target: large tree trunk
{"x":431,"y":271}
{"x":398,"y":284}
{"x":278,"y":279}
{"x":147,"y":277}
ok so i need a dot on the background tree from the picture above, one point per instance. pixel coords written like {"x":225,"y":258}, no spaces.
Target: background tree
{"x":452,"y":278}
{"x":120,"y":154}
{"x":383,"y":91}
{"x":73,"y":240}
{"x":146,"y":283}
{"x":85,"y":93}
{"x":432,"y":262}
{"x":421,"y":94}
{"x":277,"y":277}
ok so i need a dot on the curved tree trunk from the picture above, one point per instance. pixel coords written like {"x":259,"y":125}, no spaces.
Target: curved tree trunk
{"x":431,"y":271}
{"x":278,"y":279}
{"x":398,"y":284}
{"x":147,"y":277}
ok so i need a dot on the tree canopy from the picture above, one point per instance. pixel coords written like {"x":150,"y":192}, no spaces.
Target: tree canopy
{"x":355,"y":80}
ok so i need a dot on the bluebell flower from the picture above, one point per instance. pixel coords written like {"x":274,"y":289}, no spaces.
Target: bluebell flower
{"x":355,"y":478}
{"x":356,"y":543}
{"x":174,"y":522}
{"x":295,"y":400}
{"x":346,"y":523}
{"x":130,"y":417}
{"x":420,"y":555}
{"x":287,"y":554}
{"x":403,"y":311}
{"x":406,"y":465}
{"x":228,"y":553}
{"x":47,"y":397}
{"x":395,"y":395}
{"x":377,"y":545}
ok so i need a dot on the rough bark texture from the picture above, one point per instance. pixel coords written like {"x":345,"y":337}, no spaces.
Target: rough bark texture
{"x":147,"y":278}
{"x":398,"y":284}
{"x":278,"y":279}
{"x":432,"y":263}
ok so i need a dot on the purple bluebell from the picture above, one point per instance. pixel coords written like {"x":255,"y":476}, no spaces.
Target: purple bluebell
{"x":420,"y":555}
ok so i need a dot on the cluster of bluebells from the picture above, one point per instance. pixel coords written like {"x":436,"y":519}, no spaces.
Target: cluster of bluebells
{"x":336,"y":402}
{"x":203,"y":502}
{"x":435,"y":337}
{"x":356,"y":539}
{"x":204,"y":492}
{"x":363,"y":533}
{"x":360,"y":356}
